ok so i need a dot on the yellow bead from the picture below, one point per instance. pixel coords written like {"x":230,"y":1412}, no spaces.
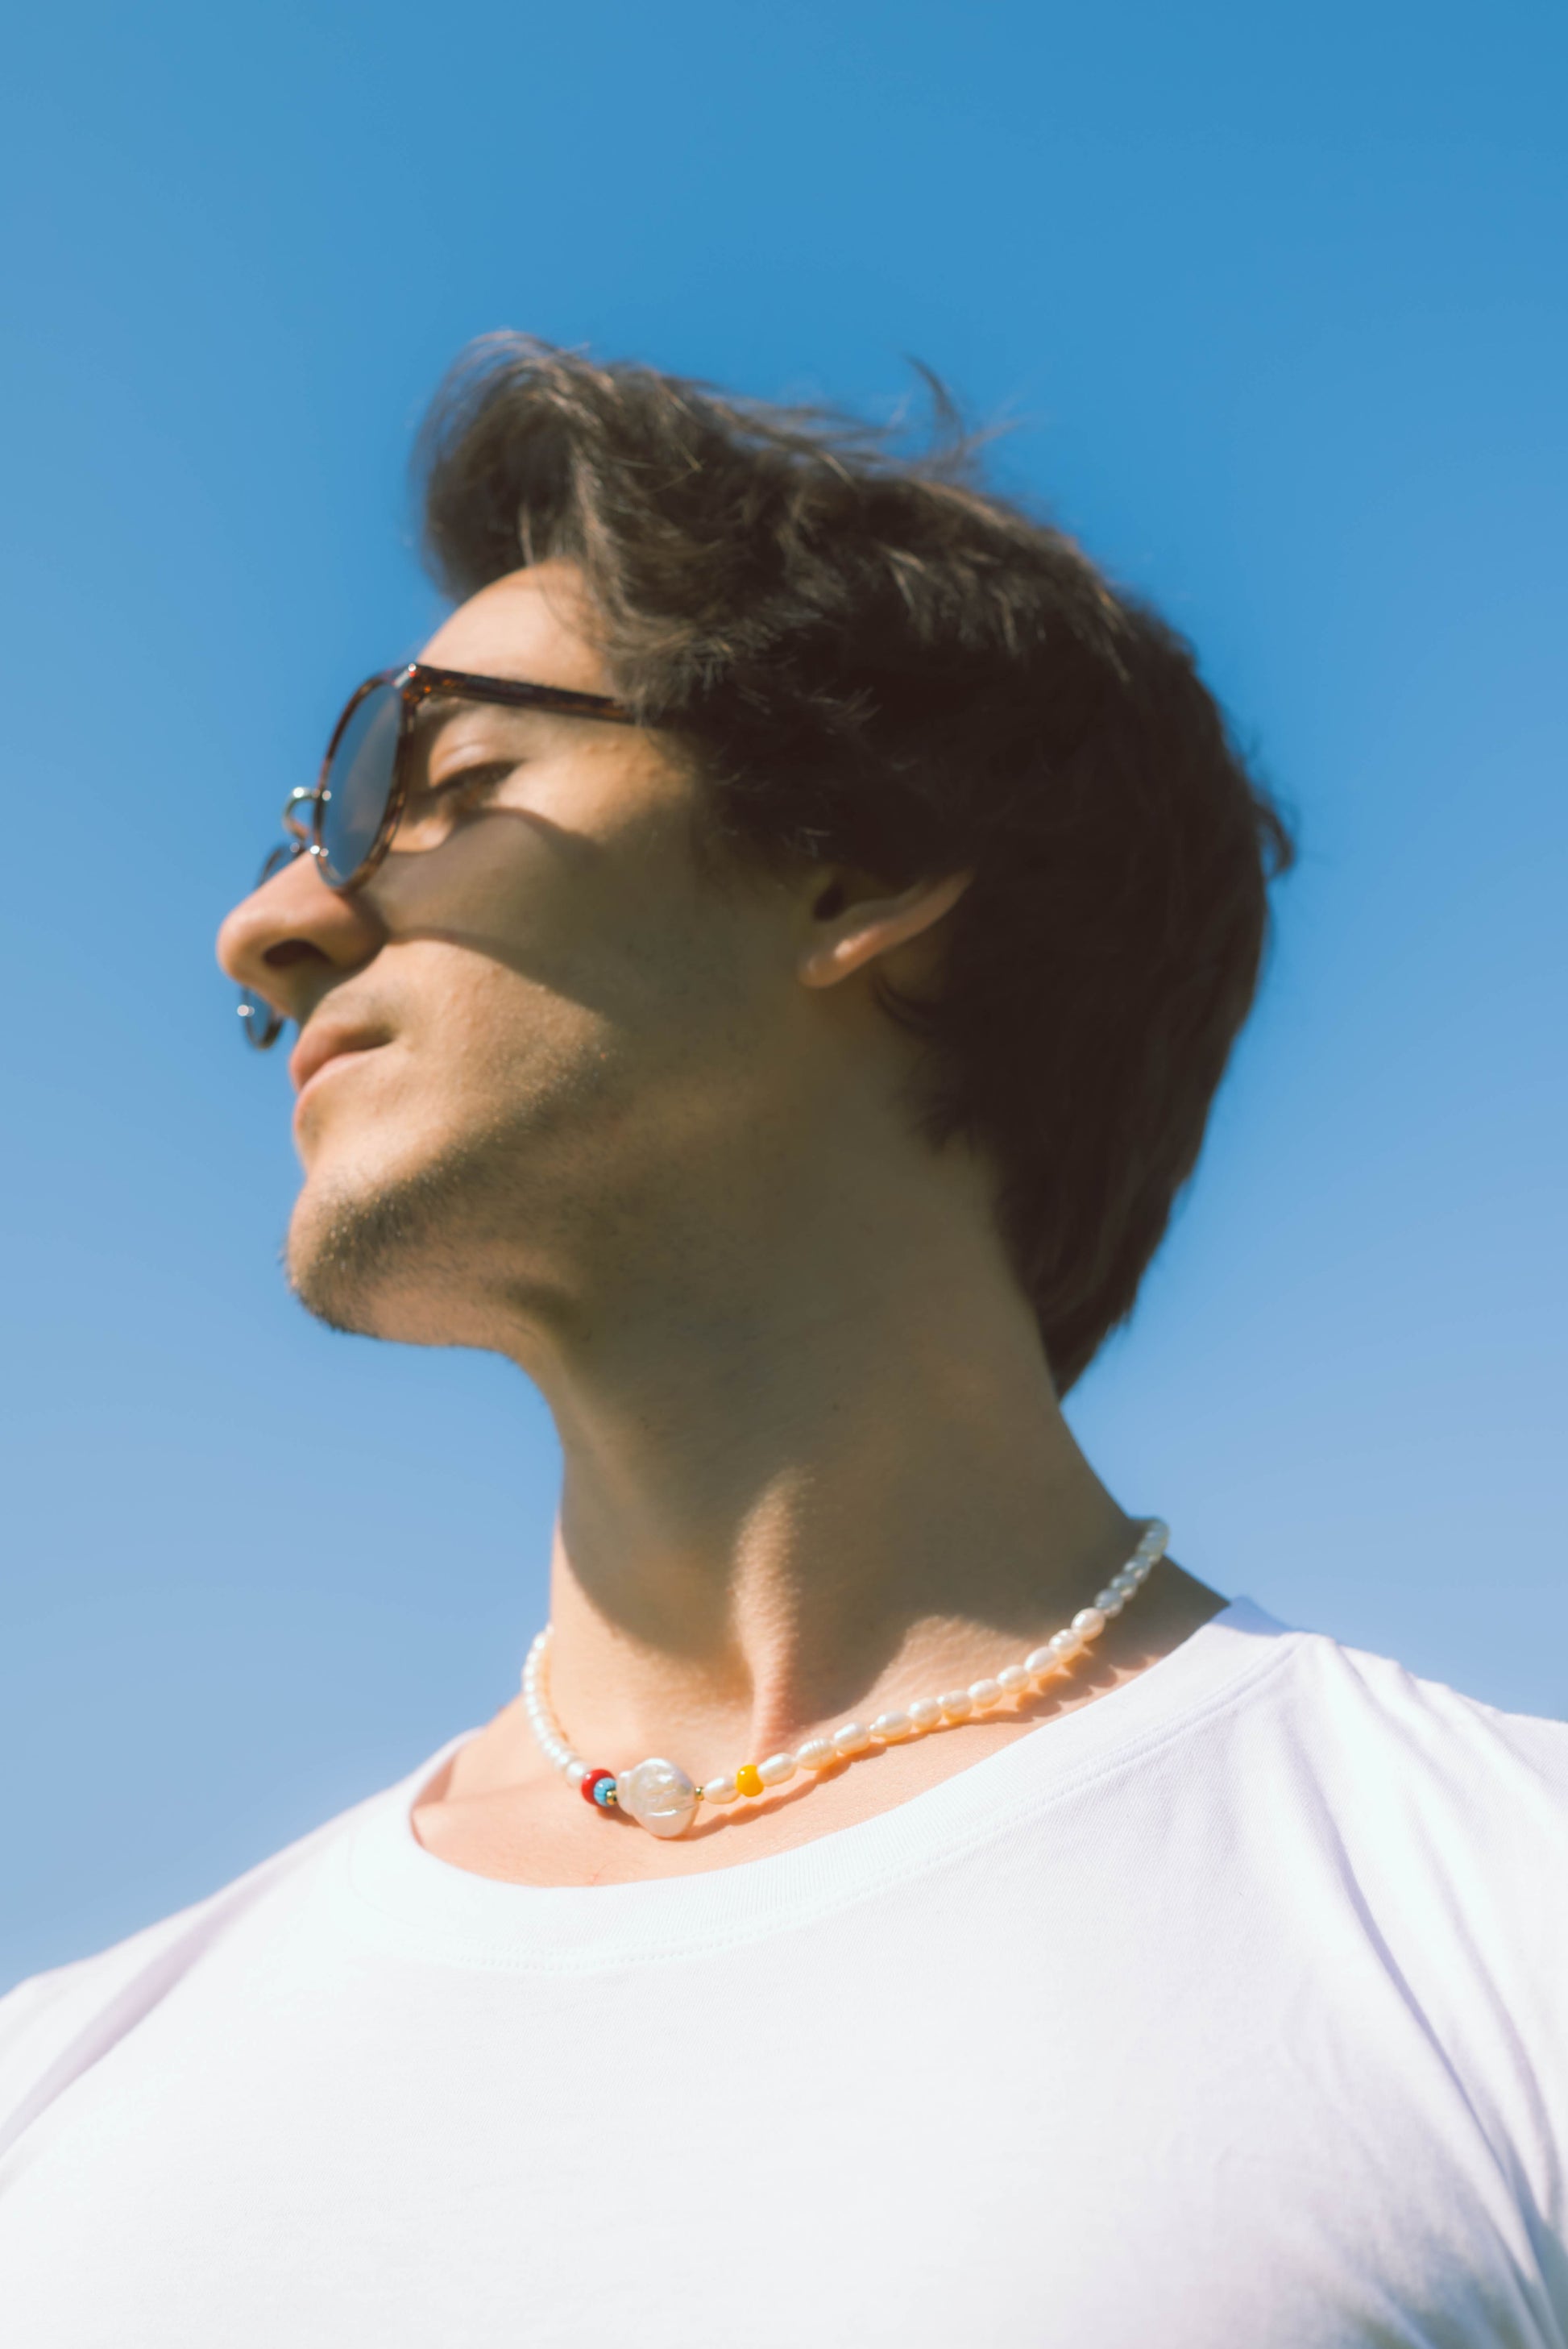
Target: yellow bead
{"x":747,"y":1779}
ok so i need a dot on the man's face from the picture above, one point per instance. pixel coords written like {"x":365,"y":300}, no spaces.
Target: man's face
{"x":533,"y":1047}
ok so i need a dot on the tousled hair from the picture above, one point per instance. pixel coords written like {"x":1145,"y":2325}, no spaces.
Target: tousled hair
{"x":872,"y":661}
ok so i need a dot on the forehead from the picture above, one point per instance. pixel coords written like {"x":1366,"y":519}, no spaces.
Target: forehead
{"x":529,"y":624}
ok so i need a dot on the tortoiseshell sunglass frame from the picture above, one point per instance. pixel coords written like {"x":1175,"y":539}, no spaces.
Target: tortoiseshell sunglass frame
{"x":305,"y":810}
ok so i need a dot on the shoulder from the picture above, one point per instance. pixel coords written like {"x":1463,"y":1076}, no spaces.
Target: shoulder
{"x":1394,"y":1850}
{"x":1343,"y":1777}
{"x":1388,"y":1750}
{"x":55,"y":2026}
{"x":1439,"y":1820}
{"x":1428,"y":1739}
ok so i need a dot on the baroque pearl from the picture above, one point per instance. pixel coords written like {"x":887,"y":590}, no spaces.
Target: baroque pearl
{"x":658,"y":1795}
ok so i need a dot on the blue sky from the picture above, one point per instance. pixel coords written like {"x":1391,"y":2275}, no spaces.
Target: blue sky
{"x":1276,"y":300}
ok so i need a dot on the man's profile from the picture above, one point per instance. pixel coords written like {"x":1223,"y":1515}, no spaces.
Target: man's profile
{"x":764,"y":969}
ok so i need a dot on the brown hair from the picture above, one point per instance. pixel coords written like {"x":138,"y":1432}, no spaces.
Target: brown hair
{"x":871,"y":661}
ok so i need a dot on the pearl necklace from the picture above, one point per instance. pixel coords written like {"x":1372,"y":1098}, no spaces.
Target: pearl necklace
{"x":662,"y":1798}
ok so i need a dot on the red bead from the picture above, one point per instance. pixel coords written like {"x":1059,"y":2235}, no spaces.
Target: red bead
{"x":594,"y":1778}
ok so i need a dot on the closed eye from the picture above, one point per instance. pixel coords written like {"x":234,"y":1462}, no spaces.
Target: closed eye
{"x":433,"y":810}
{"x":470,"y":782}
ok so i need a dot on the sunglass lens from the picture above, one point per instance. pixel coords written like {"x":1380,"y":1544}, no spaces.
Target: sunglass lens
{"x":359,"y":784}
{"x":261,"y":1026}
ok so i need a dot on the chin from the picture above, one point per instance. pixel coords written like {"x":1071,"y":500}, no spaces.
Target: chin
{"x":336,"y":1256}
{"x":353,"y":1240}
{"x":398,"y":1252}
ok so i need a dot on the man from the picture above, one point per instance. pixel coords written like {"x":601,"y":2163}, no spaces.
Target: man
{"x":765,"y":970}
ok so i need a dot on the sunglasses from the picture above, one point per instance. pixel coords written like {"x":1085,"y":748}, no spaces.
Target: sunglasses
{"x":347,"y":819}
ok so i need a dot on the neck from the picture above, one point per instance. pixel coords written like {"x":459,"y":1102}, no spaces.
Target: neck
{"x":793,"y":1498}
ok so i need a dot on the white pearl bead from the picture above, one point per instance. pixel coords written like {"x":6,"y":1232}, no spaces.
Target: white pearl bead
{"x":1126,"y":1582}
{"x":1041,"y":1660}
{"x":852,"y":1738}
{"x":576,"y":1771}
{"x":720,"y":1790}
{"x":1065,"y":1645}
{"x":925,"y":1711}
{"x":775,"y":1769}
{"x":957,"y":1705}
{"x":1088,"y":1622}
{"x":816,"y":1753}
{"x":1012,"y":1679}
{"x":1107,"y":1600}
{"x":891,"y":1726}
{"x":983,"y":1693}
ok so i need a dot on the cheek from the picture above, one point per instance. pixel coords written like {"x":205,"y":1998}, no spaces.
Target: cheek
{"x":618,"y":988}
{"x":497,"y":1047}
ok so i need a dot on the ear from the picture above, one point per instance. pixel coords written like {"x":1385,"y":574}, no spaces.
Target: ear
{"x":852,"y":924}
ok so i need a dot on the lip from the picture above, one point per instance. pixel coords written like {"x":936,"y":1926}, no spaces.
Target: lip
{"x":317,"y":1050}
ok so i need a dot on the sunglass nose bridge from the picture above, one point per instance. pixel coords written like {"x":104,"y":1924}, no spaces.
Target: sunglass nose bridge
{"x":302,"y":796}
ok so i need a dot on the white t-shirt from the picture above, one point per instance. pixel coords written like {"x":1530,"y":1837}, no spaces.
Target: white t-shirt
{"x":1227,"y":2013}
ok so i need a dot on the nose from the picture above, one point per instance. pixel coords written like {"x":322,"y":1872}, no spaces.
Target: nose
{"x":292,"y":938}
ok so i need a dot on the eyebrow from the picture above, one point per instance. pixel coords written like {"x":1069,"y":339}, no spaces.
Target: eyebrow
{"x":426,"y":721}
